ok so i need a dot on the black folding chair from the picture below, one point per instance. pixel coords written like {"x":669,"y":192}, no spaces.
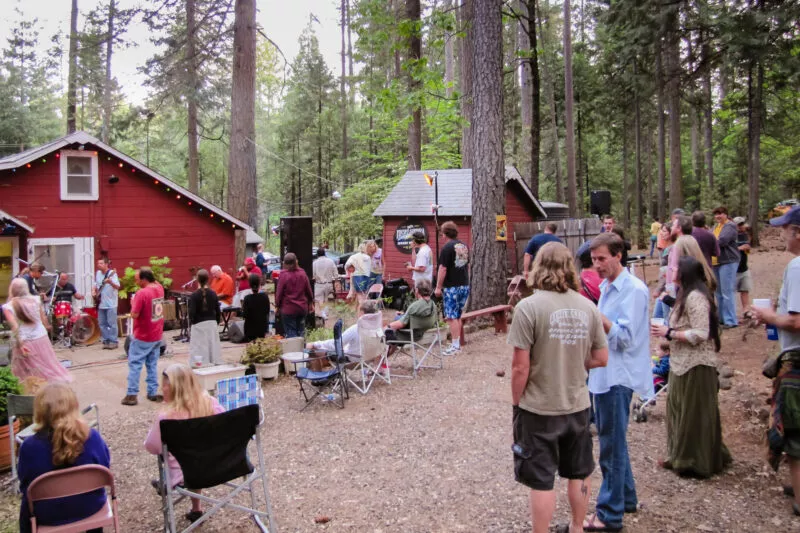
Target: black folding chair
{"x":212,"y":451}
{"x":328,"y":384}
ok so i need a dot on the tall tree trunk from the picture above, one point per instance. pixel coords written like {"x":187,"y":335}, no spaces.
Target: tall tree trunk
{"x":530,"y":91}
{"x":72,"y":76}
{"x":661,"y":152}
{"x":414,"y":55}
{"x":694,"y":124}
{"x":708,"y":132}
{"x":342,"y":82}
{"x":351,"y":78}
{"x":754,"y":110}
{"x":242,"y":161}
{"x":106,"y":132}
{"x":449,"y":57}
{"x":549,"y":83}
{"x":674,"y":109}
{"x":466,"y":68}
{"x":488,"y":256}
{"x":569,"y":125}
{"x":626,"y":197}
{"x":637,"y":131}
{"x":191,"y":100}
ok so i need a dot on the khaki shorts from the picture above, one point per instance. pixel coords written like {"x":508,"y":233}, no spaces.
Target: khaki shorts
{"x":322,"y":292}
{"x":744,"y":282}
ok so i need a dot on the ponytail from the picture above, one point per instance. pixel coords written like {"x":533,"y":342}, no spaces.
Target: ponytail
{"x":205,"y":302}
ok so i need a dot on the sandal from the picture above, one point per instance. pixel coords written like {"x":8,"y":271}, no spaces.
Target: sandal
{"x":193,"y":516}
{"x":592,"y":525}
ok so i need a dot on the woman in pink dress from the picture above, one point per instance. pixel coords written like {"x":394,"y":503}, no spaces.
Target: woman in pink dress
{"x":184,"y":398}
{"x":31,"y":352}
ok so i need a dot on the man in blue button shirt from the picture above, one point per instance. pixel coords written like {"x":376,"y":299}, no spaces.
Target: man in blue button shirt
{"x":623,"y":303}
{"x":536,"y":242}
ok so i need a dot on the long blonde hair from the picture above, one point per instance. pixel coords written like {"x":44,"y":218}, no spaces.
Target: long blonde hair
{"x":553,"y":269}
{"x":25,"y":305}
{"x":188,"y":397}
{"x":55,"y":411}
{"x":687,"y":245}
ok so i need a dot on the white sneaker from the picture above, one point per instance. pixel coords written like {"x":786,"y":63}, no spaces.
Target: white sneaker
{"x":451,"y":350}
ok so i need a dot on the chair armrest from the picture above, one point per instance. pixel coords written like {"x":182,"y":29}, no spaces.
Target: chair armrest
{"x":96,"y":422}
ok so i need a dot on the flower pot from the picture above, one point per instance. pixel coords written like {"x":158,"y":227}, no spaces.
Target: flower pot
{"x":5,"y":447}
{"x":267,"y":370}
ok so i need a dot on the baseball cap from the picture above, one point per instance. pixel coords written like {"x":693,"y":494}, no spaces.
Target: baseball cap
{"x":739,"y":220}
{"x":790,"y":217}
{"x":678,"y":211}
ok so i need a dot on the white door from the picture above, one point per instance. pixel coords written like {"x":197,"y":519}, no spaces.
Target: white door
{"x":73,"y":255}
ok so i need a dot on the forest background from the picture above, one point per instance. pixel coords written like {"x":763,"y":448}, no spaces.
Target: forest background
{"x":666,"y":103}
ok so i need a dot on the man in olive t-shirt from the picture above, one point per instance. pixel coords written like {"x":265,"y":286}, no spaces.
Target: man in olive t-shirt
{"x":557,"y":335}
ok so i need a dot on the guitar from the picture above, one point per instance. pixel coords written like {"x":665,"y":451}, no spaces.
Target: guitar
{"x":99,"y":288}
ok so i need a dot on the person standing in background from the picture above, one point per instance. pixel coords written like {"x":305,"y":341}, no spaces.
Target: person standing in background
{"x":536,"y":242}
{"x":376,"y":266}
{"x":705,"y":239}
{"x":452,"y":281}
{"x":293,"y":297}
{"x":725,"y":267}
{"x":105,"y":292}
{"x":655,"y":227}
{"x":744,"y":280}
{"x":422,"y":267}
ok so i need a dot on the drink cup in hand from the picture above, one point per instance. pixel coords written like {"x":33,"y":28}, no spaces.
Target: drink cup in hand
{"x":766,"y":303}
{"x":657,"y":322}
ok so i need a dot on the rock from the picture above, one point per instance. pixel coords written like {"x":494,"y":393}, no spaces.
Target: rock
{"x":725,"y":384}
{"x":500,"y":373}
{"x":322,"y":519}
{"x":726,"y":372}
{"x":763,"y":414}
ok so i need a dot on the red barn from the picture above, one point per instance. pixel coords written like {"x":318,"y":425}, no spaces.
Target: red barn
{"x":407,"y":209}
{"x":75,"y":199}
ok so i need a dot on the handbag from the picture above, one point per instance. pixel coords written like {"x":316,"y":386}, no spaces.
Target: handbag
{"x":771,"y":366}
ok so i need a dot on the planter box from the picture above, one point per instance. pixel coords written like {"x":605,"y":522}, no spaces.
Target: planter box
{"x":267,"y":370}
{"x":209,"y":375}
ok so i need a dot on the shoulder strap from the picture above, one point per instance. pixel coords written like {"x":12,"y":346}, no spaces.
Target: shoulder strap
{"x":587,"y":291}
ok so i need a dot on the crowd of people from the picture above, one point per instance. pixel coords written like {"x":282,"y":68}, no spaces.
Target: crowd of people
{"x":582,"y":345}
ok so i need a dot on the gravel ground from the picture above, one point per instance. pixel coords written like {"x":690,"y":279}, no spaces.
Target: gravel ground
{"x":433,"y":454}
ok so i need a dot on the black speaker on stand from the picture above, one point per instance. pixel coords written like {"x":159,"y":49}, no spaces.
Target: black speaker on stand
{"x":601,"y":203}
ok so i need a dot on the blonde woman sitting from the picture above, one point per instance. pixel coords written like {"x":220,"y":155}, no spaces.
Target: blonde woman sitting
{"x":62,"y":439}
{"x":184,"y":398}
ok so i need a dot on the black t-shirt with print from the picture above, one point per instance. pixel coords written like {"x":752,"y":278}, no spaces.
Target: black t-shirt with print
{"x":454,"y":256}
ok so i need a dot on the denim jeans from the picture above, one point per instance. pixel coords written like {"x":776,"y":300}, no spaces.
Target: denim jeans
{"x":107,"y":320}
{"x":143,"y":353}
{"x":726,"y":293}
{"x":294,"y":325}
{"x":618,"y":491}
{"x":652,"y":246}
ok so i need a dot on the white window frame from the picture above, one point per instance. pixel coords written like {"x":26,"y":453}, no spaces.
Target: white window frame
{"x":95,"y":194}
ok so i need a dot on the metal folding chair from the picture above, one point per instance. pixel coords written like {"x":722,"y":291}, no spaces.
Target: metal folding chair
{"x":22,"y":405}
{"x":375,"y":292}
{"x":71,"y":482}
{"x":212,"y":452}
{"x":367,"y":364}
{"x":425,"y":351}
{"x":326,"y":384}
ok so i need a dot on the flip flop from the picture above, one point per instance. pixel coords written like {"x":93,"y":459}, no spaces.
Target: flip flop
{"x":591,"y":525}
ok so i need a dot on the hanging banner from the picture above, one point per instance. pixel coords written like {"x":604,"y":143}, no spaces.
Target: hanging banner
{"x":501,"y":228}
{"x":403,"y":235}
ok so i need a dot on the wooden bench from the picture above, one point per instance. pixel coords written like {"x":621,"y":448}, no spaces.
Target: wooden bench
{"x":499,"y":313}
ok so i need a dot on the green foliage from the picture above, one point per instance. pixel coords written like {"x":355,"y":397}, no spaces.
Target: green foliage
{"x":160,"y":271}
{"x":9,"y":384}
{"x":262,"y":351}
{"x":318,"y":334}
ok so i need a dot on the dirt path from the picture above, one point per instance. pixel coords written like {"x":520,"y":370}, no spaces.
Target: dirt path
{"x":433,"y":454}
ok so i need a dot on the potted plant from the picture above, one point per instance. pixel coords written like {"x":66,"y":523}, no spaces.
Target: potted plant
{"x":264,"y":354}
{"x":9,"y":384}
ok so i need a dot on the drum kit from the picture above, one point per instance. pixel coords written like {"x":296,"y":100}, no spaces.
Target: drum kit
{"x":70,"y":325}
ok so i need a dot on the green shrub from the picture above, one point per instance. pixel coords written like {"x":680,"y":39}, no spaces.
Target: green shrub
{"x":9,"y":384}
{"x":262,"y":351}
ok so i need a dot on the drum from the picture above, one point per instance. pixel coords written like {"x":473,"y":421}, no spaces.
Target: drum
{"x":62,"y":309}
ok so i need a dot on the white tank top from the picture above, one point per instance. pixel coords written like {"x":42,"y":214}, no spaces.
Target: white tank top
{"x":28,"y":332}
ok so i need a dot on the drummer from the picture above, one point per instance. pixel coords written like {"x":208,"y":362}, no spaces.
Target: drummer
{"x":66,"y":291}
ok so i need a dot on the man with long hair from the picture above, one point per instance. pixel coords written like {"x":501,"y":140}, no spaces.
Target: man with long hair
{"x":557,"y":335}
{"x":624,"y":300}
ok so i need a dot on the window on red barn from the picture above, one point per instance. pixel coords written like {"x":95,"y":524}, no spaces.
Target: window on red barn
{"x":79,"y":175}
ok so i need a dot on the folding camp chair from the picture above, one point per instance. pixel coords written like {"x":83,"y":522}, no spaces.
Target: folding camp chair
{"x":367,"y":364}
{"x":20,"y":405}
{"x":72,"y":481}
{"x":212,"y":451}
{"x":375,"y":292}
{"x":419,"y":348}
{"x":329,"y":383}
{"x":233,"y":393}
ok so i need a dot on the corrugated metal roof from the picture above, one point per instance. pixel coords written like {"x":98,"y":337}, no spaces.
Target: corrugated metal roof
{"x":413,"y":197}
{"x":81,"y":137}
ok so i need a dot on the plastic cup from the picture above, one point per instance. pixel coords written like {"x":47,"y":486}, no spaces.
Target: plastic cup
{"x":657,"y":322}
{"x":764,"y":303}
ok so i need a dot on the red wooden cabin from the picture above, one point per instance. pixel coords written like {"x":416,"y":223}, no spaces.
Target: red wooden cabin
{"x":407,"y":208}
{"x":82,"y":199}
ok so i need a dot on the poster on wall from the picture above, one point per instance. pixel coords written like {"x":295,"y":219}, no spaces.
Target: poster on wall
{"x":403,"y":239}
{"x":501,"y":232}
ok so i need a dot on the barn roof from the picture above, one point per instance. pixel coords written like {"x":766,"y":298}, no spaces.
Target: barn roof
{"x":17,"y":222}
{"x":81,"y":138}
{"x":413,"y":197}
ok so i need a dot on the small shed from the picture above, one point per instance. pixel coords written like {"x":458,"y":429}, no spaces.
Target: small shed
{"x":408,"y":208}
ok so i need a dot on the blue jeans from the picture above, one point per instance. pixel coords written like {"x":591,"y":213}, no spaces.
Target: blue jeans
{"x":653,"y":241}
{"x":726,"y":293}
{"x":107,"y":320}
{"x":294,"y":325}
{"x":618,"y":491}
{"x":143,"y":353}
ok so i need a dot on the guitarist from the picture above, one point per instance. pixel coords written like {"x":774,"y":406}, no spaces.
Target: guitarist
{"x":104,"y":292}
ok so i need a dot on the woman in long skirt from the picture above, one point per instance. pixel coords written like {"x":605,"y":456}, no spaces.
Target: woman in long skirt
{"x":31,"y":353}
{"x":694,"y":430}
{"x":204,"y":316}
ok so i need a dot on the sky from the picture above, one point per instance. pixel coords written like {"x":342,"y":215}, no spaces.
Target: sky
{"x":282,"y":20}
